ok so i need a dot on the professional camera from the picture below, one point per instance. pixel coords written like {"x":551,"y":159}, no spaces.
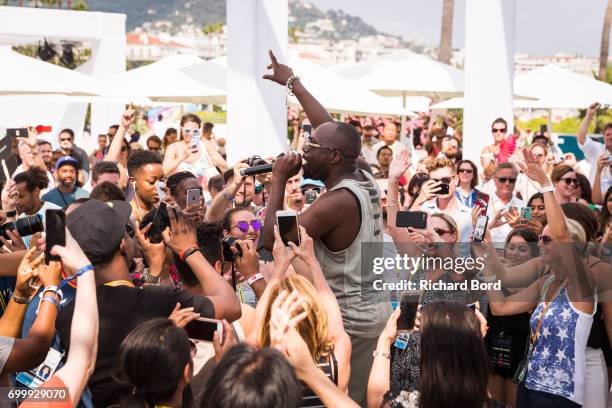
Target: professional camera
{"x":228,"y":243}
{"x":25,"y":226}
{"x":255,"y":161}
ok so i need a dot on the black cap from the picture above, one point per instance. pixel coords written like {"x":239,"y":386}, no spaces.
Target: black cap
{"x":99,"y":227}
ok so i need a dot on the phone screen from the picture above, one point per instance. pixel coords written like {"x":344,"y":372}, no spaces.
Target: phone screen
{"x":202,"y":329}
{"x":307,"y":130}
{"x":55,"y":229}
{"x":288,"y":227}
{"x":480,"y":228}
{"x":482,"y":202}
{"x":193,"y":196}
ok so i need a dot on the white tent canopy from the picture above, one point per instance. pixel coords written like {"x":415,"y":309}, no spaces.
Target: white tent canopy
{"x":336,"y":94}
{"x":20,"y":75}
{"x":554,"y":87}
{"x":165,"y":81}
{"x":406,"y":74}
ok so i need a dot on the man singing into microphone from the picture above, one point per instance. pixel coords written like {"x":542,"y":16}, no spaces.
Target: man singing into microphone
{"x":332,"y":155}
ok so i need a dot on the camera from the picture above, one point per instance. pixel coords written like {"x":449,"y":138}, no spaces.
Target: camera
{"x":25,"y":226}
{"x":228,"y":243}
{"x":255,"y":161}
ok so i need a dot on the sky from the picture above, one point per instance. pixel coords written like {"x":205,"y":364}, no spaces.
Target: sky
{"x":543,"y":27}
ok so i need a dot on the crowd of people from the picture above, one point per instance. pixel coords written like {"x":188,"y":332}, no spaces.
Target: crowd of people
{"x":164,"y":239}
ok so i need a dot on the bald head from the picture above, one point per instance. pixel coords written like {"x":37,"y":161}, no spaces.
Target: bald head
{"x":341,"y":136}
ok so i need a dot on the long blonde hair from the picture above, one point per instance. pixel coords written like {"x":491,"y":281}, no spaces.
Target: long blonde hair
{"x":313,"y":328}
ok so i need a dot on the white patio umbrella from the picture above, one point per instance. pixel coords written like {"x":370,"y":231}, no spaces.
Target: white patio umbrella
{"x":336,"y":94}
{"x":554,"y":88}
{"x":165,"y":81}
{"x":21,"y":75}
{"x":557,"y":87}
{"x":361,"y":69}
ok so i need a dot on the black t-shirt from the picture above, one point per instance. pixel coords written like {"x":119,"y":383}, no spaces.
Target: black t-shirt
{"x":121,"y":309}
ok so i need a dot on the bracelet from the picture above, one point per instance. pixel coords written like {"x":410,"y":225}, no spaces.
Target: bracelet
{"x":290,"y":81}
{"x":254,"y":278}
{"x":56,"y":291}
{"x":393,"y":204}
{"x":486,"y":279}
{"x":547,"y":189}
{"x":228,"y":197}
{"x":76,"y":275}
{"x":11,"y":214}
{"x":50,"y":299}
{"x":188,"y":251}
{"x":150,"y":279}
{"x":377,"y":353}
{"x":20,"y":299}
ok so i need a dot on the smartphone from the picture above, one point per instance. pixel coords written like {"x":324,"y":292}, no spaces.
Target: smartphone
{"x":193,"y":197}
{"x":310,"y":196}
{"x":526,"y":213}
{"x":203,"y":329}
{"x":55,"y":229}
{"x":444,"y":189}
{"x":408,"y":309}
{"x":160,"y":185}
{"x":482,"y":202}
{"x":307,"y":131}
{"x":287,"y":222}
{"x":17,"y":132}
{"x":480,"y":228}
{"x":413,"y":219}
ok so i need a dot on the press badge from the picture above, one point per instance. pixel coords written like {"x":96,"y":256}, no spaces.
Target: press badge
{"x":36,"y":376}
{"x":401,"y":342}
{"x":501,"y":350}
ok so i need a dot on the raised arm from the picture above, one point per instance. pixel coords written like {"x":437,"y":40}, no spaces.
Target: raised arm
{"x":29,"y":352}
{"x":181,"y":238}
{"x":597,"y":195}
{"x":380,"y":374}
{"x":114,"y":150}
{"x":12,"y":319}
{"x":85,"y":323}
{"x":586,"y":122}
{"x":316,"y":113}
{"x":399,"y":165}
{"x":579,"y":276}
{"x":335,"y":325}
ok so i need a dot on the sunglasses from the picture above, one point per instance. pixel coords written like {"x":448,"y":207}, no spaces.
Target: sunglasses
{"x":467,"y":171}
{"x":244,"y":225}
{"x":445,"y":180}
{"x":191,"y":131}
{"x":568,"y":181}
{"x":441,"y":231}
{"x":65,"y":140}
{"x":310,"y":145}
{"x":499,"y":130}
{"x":505,"y":180}
{"x":545,"y":239}
{"x":315,"y":189}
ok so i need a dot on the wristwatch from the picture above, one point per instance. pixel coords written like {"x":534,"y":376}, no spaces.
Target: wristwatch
{"x":20,"y":300}
{"x":150,"y":279}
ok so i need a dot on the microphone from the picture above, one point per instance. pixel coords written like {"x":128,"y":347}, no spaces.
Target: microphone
{"x":251,"y":171}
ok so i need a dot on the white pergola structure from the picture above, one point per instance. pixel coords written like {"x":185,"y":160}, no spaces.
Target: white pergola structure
{"x":489,"y":71}
{"x":105,"y":32}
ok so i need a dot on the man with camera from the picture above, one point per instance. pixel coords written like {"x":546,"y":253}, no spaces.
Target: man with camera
{"x":346,"y":215}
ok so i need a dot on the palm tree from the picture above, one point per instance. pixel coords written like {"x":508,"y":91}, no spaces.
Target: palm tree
{"x":446,"y":36}
{"x":605,"y":43}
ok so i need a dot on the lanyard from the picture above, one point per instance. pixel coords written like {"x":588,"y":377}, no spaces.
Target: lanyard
{"x":534,"y":336}
{"x":469,"y":202}
{"x":121,"y":282}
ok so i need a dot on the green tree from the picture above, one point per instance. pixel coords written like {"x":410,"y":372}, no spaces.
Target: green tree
{"x":80,"y":5}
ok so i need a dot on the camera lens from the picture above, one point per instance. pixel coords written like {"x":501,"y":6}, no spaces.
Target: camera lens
{"x":25,"y":226}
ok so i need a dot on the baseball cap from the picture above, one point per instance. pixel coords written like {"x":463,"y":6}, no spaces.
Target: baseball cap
{"x":99,"y":226}
{"x":65,"y":160}
{"x":311,"y":182}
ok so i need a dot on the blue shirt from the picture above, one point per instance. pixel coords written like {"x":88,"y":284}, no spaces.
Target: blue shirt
{"x":55,"y":196}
